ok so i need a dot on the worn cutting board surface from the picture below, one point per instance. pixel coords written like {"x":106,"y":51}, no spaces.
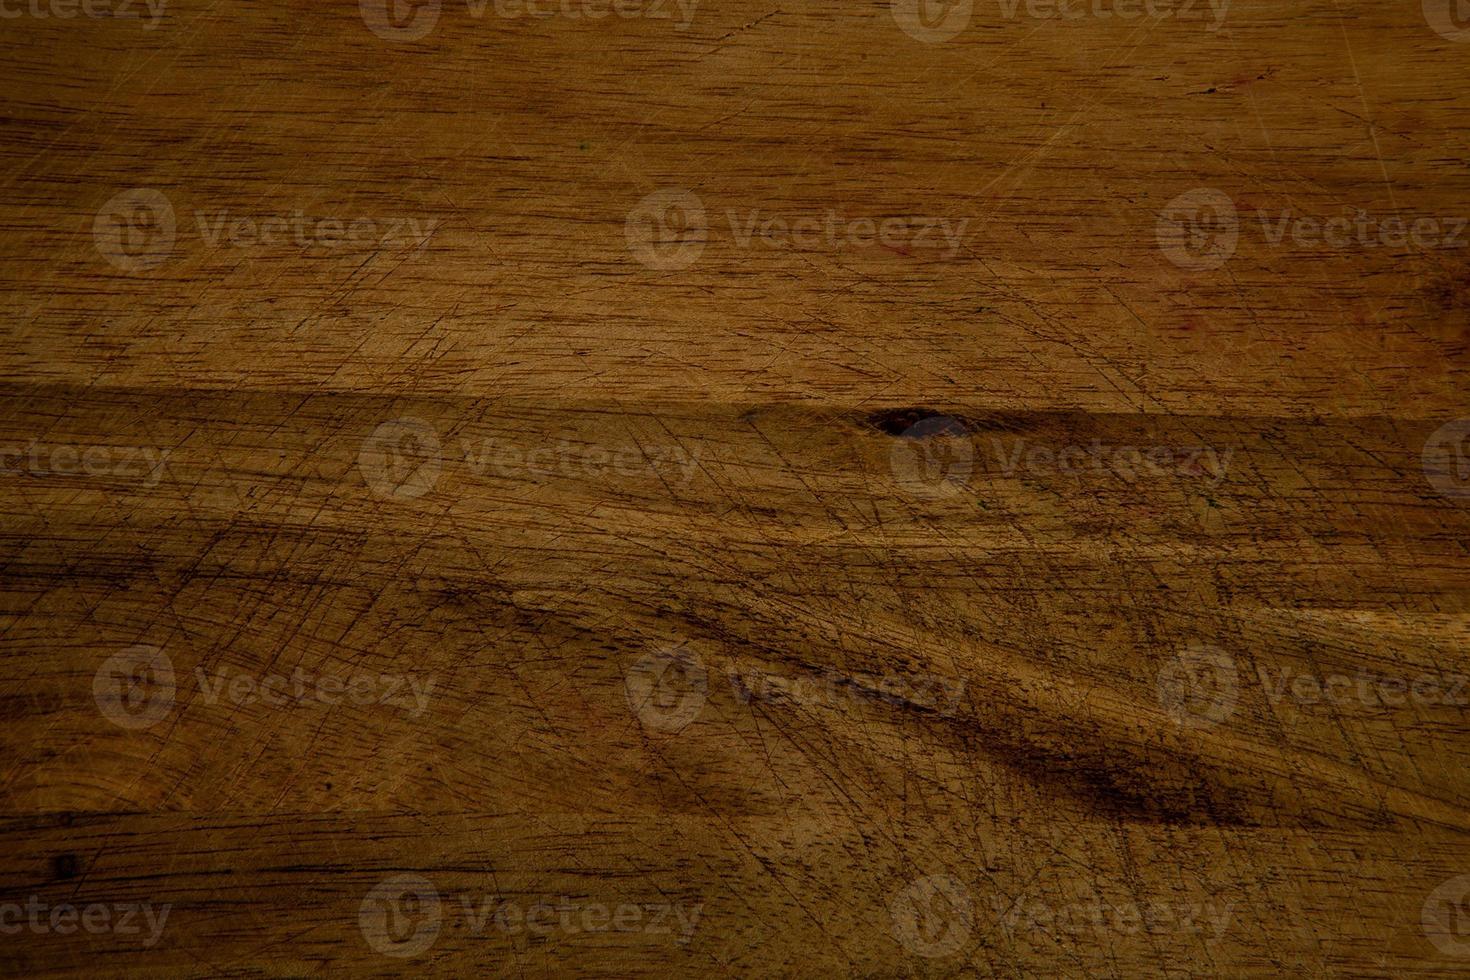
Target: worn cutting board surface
{"x":655,"y":488}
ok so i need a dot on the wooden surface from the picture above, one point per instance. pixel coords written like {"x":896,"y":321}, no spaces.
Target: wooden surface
{"x":1055,"y":583}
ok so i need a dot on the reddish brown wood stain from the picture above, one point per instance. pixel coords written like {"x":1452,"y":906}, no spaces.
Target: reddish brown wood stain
{"x":770,"y":492}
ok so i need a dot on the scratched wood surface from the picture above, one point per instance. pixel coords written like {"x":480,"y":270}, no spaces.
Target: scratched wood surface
{"x":734,"y":489}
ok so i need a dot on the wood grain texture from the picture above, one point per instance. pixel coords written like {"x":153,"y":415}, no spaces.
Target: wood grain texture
{"x":902,"y":557}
